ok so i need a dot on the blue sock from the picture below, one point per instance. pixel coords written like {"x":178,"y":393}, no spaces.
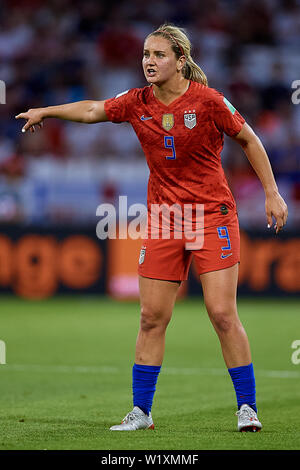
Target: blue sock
{"x":144,"y":380}
{"x":244,"y":384}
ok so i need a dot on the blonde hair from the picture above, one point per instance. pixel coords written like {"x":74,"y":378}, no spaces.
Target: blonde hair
{"x":181,"y":45}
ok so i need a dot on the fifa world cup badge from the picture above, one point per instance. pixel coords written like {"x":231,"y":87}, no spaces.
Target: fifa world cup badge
{"x":168,"y":121}
{"x":142,"y":255}
{"x":190,"y":119}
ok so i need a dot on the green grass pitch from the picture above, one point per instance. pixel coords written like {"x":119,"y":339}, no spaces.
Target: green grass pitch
{"x":67,"y":377}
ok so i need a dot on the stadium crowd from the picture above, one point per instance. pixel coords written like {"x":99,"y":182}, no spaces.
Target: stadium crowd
{"x":59,"y":51}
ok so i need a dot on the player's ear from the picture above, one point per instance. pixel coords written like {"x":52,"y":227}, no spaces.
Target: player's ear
{"x":181,"y":63}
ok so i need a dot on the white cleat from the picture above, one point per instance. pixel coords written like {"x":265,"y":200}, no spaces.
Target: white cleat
{"x":247,"y":419}
{"x":134,"y":420}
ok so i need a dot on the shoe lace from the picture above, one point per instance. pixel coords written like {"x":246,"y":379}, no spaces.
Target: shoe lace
{"x":132,"y":415}
{"x":246,"y":413}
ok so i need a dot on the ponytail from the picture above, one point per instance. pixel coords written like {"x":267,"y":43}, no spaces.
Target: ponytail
{"x":192,"y":71}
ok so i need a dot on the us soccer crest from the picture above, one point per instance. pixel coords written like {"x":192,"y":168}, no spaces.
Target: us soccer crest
{"x":168,"y":121}
{"x":190,"y":119}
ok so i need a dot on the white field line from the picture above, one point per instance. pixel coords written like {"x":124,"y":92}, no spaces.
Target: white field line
{"x":68,"y":369}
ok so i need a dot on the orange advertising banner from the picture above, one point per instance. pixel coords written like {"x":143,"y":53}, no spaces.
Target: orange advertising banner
{"x":39,"y":264}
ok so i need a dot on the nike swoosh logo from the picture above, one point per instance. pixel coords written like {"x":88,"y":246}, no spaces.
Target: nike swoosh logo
{"x":225,"y":256}
{"x":143,"y":118}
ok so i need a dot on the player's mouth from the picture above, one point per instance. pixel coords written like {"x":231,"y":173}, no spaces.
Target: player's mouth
{"x":150,"y":72}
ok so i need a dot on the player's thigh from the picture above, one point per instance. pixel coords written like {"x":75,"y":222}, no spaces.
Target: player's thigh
{"x":157,"y":299}
{"x":220,"y":289}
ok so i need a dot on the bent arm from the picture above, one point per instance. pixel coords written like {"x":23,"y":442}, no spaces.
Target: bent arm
{"x":81,"y":111}
{"x":258,"y":158}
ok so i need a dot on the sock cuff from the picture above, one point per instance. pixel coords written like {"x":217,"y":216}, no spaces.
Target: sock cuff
{"x":144,"y":368}
{"x":242,"y":370}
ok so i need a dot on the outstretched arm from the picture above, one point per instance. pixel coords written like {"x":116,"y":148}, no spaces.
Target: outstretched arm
{"x":81,"y":111}
{"x":257,"y":156}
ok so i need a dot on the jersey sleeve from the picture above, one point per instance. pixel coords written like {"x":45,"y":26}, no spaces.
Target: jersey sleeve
{"x":225,"y":116}
{"x":118,"y":109}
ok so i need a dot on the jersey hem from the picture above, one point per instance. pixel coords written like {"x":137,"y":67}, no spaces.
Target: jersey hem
{"x":210,"y":270}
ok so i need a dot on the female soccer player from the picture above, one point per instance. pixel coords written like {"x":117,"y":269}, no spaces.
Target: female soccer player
{"x":180,"y":123}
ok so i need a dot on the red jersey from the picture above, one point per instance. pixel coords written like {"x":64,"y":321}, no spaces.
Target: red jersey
{"x":182,"y":143}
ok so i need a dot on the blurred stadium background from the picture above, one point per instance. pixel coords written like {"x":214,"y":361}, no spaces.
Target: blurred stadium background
{"x":51,"y":182}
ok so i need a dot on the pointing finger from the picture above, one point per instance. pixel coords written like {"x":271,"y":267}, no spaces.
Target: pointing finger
{"x":21,"y":116}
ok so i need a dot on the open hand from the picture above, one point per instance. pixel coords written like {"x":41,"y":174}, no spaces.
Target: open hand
{"x":34,"y":117}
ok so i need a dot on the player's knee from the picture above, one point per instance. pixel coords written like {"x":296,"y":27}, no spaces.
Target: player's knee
{"x":222,"y":320}
{"x":223,"y":324}
{"x":153,"y":318}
